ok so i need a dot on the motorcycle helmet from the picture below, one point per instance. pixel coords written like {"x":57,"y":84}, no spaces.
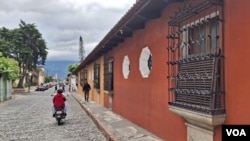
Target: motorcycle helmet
{"x":60,"y":91}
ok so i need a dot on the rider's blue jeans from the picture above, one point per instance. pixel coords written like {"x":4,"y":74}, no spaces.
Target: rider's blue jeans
{"x":54,"y":110}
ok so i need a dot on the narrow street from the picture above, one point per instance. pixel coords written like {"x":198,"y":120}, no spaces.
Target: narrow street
{"x":28,"y":117}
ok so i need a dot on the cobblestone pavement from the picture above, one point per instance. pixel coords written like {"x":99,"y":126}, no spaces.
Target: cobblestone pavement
{"x":27,"y":117}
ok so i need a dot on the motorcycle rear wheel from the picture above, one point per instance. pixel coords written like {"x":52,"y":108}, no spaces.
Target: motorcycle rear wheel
{"x":59,"y":121}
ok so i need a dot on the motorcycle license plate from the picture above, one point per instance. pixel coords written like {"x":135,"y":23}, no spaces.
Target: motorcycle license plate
{"x":58,"y":112}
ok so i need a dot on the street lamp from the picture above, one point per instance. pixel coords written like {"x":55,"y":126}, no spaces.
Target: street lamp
{"x":30,"y":74}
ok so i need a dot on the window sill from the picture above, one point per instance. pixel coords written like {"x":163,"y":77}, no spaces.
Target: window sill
{"x":199,"y":119}
{"x":109,"y":92}
{"x":97,"y":90}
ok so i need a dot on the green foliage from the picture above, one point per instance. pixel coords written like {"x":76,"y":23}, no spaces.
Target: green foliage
{"x":72,"y":67}
{"x":24,"y":44}
{"x":48,"y":78}
{"x":9,"y":68}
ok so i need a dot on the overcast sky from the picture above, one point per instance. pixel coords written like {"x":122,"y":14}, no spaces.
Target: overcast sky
{"x":62,"y":22}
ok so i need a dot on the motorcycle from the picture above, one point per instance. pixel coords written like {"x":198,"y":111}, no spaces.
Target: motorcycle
{"x":59,"y":114}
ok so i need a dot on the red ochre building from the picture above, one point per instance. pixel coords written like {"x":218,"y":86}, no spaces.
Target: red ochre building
{"x":178,"y":68}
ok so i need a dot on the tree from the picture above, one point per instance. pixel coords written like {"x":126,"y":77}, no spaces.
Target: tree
{"x":8,"y":68}
{"x":81,"y":49}
{"x":72,"y":67}
{"x":26,"y":45}
{"x":48,"y":78}
{"x":6,"y":42}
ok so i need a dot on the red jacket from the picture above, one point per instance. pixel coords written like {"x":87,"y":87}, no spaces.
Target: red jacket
{"x":59,"y":99}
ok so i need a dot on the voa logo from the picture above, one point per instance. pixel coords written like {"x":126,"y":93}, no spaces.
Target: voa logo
{"x":236,"y":132}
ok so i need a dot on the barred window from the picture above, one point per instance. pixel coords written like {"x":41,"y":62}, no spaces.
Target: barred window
{"x":83,"y":76}
{"x":194,"y":57}
{"x":200,"y":37}
{"x":96,"y":76}
{"x":108,"y":73}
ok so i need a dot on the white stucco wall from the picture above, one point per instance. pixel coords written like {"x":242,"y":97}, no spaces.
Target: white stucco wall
{"x":73,"y":83}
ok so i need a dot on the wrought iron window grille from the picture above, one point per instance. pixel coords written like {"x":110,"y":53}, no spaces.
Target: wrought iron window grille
{"x":96,"y":76}
{"x":108,"y":73}
{"x":195,"y":58}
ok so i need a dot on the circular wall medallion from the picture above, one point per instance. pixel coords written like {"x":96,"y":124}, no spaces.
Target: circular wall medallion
{"x":145,"y":63}
{"x":125,"y":67}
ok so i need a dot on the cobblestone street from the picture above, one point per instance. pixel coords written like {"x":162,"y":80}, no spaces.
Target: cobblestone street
{"x":28,"y":117}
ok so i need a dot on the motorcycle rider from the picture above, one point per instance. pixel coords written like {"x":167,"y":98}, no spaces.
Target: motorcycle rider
{"x":59,"y":100}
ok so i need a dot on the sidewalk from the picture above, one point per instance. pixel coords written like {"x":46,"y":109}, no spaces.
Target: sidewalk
{"x":113,"y":126}
{"x":25,"y":90}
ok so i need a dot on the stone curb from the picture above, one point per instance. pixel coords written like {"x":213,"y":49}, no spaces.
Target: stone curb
{"x":104,"y":130}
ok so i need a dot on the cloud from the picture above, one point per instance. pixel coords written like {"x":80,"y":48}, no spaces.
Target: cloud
{"x":62,"y":22}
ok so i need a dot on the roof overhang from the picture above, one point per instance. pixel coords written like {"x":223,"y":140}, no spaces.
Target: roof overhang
{"x":134,"y":19}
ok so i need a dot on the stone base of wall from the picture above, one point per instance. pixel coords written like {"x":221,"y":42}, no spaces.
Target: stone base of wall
{"x":196,"y":133}
{"x":8,"y":98}
{"x":19,"y":90}
{"x":200,"y":127}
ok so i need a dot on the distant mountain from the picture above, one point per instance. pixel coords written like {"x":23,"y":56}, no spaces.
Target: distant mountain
{"x":59,"y":68}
